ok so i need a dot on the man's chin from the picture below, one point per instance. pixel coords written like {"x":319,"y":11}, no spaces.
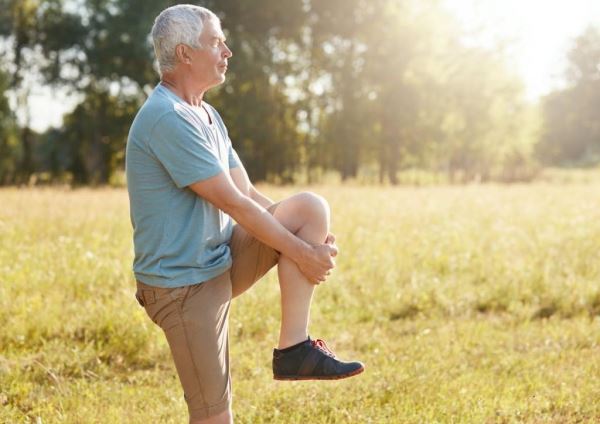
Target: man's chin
{"x":218,"y":81}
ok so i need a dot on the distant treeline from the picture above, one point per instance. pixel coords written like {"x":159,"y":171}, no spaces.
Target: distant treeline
{"x":313,"y":87}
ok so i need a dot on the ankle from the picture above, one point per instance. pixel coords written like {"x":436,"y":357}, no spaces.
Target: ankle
{"x":290,"y":342}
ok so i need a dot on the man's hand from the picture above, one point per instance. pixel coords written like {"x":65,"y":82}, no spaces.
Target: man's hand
{"x":317,"y":265}
{"x":331,"y":240}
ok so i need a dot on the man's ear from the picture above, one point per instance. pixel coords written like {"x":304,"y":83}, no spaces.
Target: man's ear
{"x":181,"y":51}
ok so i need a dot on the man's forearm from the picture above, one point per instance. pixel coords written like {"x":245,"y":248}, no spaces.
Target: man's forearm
{"x":262,"y":225}
{"x":222,"y":192}
{"x":260,"y":198}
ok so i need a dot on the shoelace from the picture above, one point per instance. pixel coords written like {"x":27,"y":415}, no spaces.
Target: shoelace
{"x":320,"y":344}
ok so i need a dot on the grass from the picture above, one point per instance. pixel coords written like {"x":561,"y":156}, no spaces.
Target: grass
{"x":478,"y":304}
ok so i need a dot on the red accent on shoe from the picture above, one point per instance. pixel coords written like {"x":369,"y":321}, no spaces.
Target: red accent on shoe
{"x":320,"y":344}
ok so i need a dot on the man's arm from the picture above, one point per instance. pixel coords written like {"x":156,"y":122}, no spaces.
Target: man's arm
{"x":221,"y":191}
{"x":243,"y":183}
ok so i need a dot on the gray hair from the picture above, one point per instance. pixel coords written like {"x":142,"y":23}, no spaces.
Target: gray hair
{"x":181,"y":24}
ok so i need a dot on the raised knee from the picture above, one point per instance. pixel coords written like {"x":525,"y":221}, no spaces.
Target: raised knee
{"x":314,"y":204}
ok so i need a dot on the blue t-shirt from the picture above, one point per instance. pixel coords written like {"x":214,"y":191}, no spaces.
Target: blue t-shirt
{"x":179,"y":238}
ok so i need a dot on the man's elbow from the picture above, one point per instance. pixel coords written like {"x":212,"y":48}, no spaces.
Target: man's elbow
{"x":221,"y":193}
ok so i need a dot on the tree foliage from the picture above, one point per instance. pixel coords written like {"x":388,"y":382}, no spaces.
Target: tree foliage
{"x":572,"y":128}
{"x":9,"y":149}
{"x":313,"y":86}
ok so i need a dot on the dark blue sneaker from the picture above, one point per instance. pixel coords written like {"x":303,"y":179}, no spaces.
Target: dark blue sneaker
{"x":311,"y":360}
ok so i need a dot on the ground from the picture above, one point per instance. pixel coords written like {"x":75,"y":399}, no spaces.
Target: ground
{"x":466,"y":304}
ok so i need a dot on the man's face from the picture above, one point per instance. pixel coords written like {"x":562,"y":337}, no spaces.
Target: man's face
{"x":209,"y":62}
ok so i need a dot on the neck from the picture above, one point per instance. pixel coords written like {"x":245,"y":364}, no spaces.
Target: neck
{"x":183,"y":87}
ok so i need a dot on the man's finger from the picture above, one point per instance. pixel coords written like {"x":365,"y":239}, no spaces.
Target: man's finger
{"x":333,"y":250}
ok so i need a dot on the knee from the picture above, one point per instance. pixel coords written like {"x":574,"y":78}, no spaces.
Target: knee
{"x":314,"y":205}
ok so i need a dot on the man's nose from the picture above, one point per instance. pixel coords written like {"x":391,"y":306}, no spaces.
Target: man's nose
{"x":227,"y":52}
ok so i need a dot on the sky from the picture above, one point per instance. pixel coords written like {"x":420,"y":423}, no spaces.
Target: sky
{"x":539,"y":33}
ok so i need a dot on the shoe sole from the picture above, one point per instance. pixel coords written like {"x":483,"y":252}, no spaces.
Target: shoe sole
{"x":311,"y":377}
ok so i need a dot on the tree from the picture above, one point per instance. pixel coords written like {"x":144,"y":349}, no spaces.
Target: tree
{"x":261,"y":118}
{"x":312,"y":86}
{"x":101,"y":53}
{"x":29,"y":33}
{"x":9,"y":148}
{"x":571,"y":133}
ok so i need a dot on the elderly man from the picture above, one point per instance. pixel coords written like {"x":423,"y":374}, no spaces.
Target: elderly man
{"x":186,"y":183}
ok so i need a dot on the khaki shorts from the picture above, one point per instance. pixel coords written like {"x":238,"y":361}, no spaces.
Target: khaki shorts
{"x":195,"y":320}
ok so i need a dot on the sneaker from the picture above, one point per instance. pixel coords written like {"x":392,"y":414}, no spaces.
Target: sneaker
{"x":311,"y":360}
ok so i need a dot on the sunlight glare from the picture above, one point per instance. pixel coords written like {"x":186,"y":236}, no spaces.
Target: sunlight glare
{"x":538,"y":33}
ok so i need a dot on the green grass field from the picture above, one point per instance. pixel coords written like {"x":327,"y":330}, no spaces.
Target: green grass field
{"x":477,"y":304}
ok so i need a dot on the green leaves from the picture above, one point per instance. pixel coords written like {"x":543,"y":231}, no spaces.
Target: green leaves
{"x":358,"y":87}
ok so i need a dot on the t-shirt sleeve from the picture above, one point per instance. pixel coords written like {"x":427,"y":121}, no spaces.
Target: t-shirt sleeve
{"x":183,"y":150}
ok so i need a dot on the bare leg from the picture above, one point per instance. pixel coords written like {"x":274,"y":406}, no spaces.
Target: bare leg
{"x":307,"y":216}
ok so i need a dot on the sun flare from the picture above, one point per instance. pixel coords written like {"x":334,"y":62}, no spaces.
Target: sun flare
{"x":538,"y":33}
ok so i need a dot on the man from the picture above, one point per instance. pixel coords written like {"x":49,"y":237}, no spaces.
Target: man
{"x":185,"y":184}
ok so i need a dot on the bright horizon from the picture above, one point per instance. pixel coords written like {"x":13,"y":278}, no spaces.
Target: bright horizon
{"x":539,"y":34}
